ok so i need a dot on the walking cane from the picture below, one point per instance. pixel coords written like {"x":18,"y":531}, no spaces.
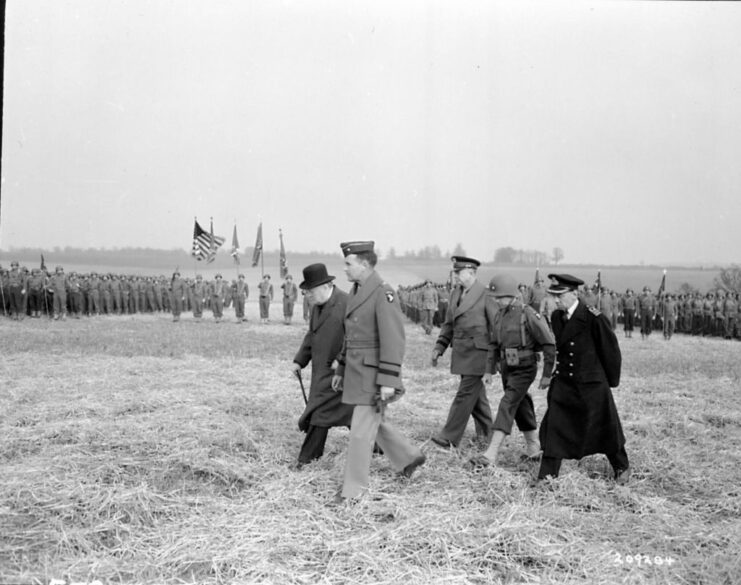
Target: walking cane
{"x":301,"y":383}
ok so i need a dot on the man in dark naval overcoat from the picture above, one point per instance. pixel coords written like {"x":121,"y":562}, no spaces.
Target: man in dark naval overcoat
{"x":322,"y":344}
{"x":582,"y":418}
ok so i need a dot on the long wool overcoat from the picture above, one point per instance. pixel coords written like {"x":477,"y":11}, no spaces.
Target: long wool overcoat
{"x":321,"y":346}
{"x":582,"y":418}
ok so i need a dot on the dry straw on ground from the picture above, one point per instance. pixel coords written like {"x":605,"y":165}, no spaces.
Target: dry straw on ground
{"x":139,"y":450}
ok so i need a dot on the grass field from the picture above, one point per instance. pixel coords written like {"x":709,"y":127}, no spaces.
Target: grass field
{"x":138,"y":450}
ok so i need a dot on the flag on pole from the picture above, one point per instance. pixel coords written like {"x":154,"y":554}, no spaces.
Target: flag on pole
{"x":537,"y":276}
{"x":662,"y":286}
{"x":258,"y":247}
{"x":43,"y":265}
{"x":235,"y":246}
{"x":283,"y":259}
{"x":202,"y":242}
{"x":214,"y":243}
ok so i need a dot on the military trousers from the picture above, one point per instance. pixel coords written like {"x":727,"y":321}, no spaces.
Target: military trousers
{"x":366,"y":428}
{"x":470,"y":401}
{"x":516,"y":406}
{"x":629,"y":319}
{"x":264,"y":307}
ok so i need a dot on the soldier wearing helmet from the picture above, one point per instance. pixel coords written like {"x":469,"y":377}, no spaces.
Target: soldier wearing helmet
{"x":17,"y":287}
{"x":177,"y":295}
{"x":518,"y":334}
{"x":58,"y":288}
{"x":218,"y":292}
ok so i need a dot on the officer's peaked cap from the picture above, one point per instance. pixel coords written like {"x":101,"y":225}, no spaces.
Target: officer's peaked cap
{"x":461,"y":262}
{"x":561,"y":283}
{"x":357,"y":247}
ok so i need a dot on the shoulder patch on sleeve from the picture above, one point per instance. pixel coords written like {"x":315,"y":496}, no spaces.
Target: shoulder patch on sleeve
{"x":389,"y":296}
{"x":530,"y":311}
{"x":594,"y":311}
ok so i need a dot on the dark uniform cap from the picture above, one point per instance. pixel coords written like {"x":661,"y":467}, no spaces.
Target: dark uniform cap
{"x":356,"y":247}
{"x":561,"y":283}
{"x":217,"y":276}
{"x":314,"y":275}
{"x":461,"y":262}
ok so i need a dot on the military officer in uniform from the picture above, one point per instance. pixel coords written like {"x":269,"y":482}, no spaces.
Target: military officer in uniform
{"x":369,"y":371}
{"x":519,"y":333}
{"x":58,"y":287}
{"x":290,"y":294}
{"x":17,"y":287}
{"x":240,"y":292}
{"x":177,"y":295}
{"x":265,"y":290}
{"x":582,"y":418}
{"x":218,"y":292}
{"x":430,"y":303}
{"x":467,"y":331}
{"x":321,"y":346}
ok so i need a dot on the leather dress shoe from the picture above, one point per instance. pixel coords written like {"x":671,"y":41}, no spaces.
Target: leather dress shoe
{"x":409,"y":469}
{"x":440,"y":442}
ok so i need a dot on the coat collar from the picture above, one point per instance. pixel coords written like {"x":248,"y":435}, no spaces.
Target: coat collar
{"x":474,"y":293}
{"x":320,"y":318}
{"x":365,"y":290}
{"x":574,"y":325}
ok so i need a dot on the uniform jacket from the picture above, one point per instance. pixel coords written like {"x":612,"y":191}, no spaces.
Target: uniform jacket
{"x":321,"y":346}
{"x":582,"y":418}
{"x":519,"y":327}
{"x":374,"y":342}
{"x":266,"y":289}
{"x":430,"y":299}
{"x":466,"y":330}
{"x":290,"y":291}
{"x":240,"y":289}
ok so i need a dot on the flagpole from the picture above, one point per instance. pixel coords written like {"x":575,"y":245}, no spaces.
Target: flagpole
{"x":195,"y":264}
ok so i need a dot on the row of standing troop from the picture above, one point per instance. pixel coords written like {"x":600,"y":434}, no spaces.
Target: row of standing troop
{"x":34,"y":293}
{"x":356,"y":345}
{"x":715,"y":313}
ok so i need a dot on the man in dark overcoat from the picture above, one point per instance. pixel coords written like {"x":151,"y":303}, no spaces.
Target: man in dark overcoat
{"x":582,"y":418}
{"x":321,"y":346}
{"x":467,"y":331}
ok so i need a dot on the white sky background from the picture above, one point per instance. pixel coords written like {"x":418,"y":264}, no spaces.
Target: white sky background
{"x":609,"y":129}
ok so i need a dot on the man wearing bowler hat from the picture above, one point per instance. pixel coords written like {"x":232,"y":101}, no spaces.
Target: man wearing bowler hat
{"x":582,"y":418}
{"x":466,"y":330}
{"x":321,"y":346}
{"x":370,"y":371}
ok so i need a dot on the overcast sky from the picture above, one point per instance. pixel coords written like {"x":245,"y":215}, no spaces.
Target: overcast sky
{"x":609,"y":129}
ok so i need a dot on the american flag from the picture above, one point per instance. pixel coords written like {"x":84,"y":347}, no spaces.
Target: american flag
{"x":205,"y":243}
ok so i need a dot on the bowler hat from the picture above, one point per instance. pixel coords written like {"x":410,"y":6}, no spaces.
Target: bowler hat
{"x":314,"y":275}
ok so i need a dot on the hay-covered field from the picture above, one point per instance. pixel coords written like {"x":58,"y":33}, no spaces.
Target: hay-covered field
{"x":139,"y":450}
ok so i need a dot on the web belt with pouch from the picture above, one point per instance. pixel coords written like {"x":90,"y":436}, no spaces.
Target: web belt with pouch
{"x":514,"y":357}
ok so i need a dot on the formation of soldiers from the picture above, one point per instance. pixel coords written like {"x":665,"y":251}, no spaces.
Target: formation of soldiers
{"x":38,"y":292}
{"x":716,"y":313}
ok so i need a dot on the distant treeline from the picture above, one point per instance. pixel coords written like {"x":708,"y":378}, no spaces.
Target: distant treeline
{"x":147,"y":257}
